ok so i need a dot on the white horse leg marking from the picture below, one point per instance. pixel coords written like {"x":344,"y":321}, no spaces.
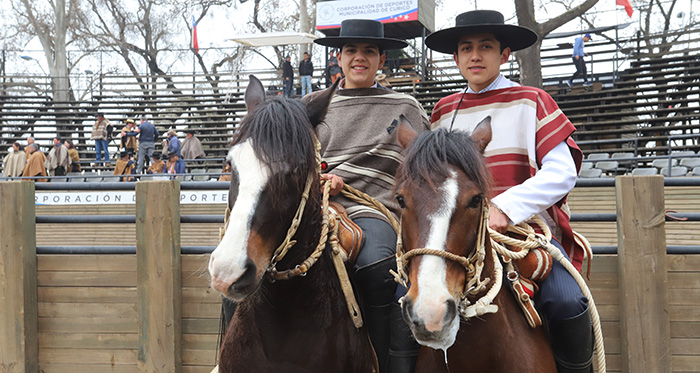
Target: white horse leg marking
{"x":227,"y":262}
{"x":431,"y":303}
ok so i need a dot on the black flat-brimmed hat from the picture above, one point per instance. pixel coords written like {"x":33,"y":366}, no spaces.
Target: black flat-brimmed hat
{"x":481,"y":21}
{"x":361,"y":31}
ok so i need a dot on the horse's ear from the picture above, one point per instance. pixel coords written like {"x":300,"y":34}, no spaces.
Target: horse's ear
{"x":482,"y":134}
{"x":254,"y":94}
{"x":317,"y":104}
{"x":405,"y":133}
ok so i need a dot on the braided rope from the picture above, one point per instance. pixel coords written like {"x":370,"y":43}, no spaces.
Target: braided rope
{"x":535,"y":240}
{"x":287,"y":243}
{"x":369,"y":201}
{"x":301,"y":269}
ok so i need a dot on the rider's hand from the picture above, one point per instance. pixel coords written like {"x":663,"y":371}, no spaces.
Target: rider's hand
{"x":336,"y":183}
{"x":498,"y":221}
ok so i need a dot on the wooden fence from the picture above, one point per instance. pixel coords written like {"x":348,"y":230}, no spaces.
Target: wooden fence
{"x":154,"y":311}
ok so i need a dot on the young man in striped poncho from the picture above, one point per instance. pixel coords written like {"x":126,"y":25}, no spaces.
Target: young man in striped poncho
{"x":360,"y":147}
{"x":532,"y":158}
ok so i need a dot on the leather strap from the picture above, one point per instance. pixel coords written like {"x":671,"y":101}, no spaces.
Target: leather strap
{"x":345,"y":285}
{"x":350,"y":234}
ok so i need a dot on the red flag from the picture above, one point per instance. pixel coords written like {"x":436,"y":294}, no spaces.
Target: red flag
{"x":627,"y":5}
{"x":195,"y":44}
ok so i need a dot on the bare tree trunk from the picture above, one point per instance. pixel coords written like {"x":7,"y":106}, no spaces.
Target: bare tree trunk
{"x":529,"y":59}
{"x":530,"y":65}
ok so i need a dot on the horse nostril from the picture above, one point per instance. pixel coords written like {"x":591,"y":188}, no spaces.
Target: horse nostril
{"x":248,"y":276}
{"x":450,"y":309}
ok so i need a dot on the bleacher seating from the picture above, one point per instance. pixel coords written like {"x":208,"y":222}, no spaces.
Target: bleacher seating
{"x":695,"y":171}
{"x":644,"y":171}
{"x":591,"y":173}
{"x":675,"y":171}
{"x":690,"y":162}
{"x":638,"y":112}
{"x":662,"y":163}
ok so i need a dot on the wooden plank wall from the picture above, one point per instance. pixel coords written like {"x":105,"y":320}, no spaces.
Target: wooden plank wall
{"x":88,"y":317}
{"x":87,"y":304}
{"x":684,"y":309}
{"x":602,"y":200}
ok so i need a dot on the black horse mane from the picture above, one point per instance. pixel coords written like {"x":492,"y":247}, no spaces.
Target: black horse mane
{"x":429,"y":155}
{"x":282,"y":138}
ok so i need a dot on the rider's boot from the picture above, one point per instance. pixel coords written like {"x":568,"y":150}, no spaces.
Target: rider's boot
{"x":403,"y":348}
{"x":572,"y":344}
{"x":376,"y":288}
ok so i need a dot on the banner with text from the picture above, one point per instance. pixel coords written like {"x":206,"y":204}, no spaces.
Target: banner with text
{"x":123,"y":197}
{"x":330,"y":14}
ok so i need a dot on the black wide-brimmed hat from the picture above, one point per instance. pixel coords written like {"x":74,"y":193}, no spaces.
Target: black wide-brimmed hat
{"x":481,"y":21}
{"x":361,"y":31}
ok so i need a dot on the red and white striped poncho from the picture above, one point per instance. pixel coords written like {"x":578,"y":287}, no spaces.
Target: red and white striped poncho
{"x":526,"y":124}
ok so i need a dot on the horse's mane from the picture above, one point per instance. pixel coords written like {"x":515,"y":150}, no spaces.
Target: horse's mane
{"x":429,"y":155}
{"x":282,"y":138}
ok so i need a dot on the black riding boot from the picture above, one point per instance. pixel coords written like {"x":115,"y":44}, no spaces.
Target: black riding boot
{"x":376,"y":288}
{"x":403,"y":348}
{"x":572,"y":344}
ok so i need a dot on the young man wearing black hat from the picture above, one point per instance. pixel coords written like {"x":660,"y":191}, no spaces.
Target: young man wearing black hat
{"x":532,"y":158}
{"x":360,"y":147}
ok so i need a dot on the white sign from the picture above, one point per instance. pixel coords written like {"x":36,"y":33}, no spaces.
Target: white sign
{"x":330,"y":14}
{"x":123,"y":197}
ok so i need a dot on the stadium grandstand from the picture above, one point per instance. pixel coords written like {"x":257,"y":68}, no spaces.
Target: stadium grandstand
{"x":640,"y":116}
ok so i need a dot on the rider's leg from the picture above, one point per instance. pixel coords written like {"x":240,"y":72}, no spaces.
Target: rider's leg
{"x":566,"y":310}
{"x":403,"y":348}
{"x":375,"y":285}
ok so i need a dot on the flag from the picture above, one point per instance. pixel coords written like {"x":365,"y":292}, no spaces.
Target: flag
{"x":195,"y":44}
{"x":627,"y":5}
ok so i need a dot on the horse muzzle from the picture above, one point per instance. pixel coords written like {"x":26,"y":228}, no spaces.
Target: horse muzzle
{"x":235,"y":287}
{"x":435,"y":326}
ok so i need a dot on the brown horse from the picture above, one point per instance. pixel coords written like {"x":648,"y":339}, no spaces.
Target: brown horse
{"x":283,"y":323}
{"x":443,"y":188}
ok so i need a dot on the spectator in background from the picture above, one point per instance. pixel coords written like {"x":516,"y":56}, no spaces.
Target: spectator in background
{"x":287,"y":76}
{"x":173,"y":144}
{"x":14,"y":161}
{"x":30,"y":141}
{"x":226,"y":173}
{"x":128,"y":137}
{"x":125,"y":166}
{"x":58,"y":161}
{"x":579,"y":63}
{"x":157,"y":166}
{"x":35,"y":163}
{"x":99,"y":134}
{"x":175,"y":165}
{"x":191,"y":146}
{"x":306,"y":70}
{"x":164,"y":149}
{"x":334,"y":69}
{"x":148,"y":134}
{"x":74,"y":157}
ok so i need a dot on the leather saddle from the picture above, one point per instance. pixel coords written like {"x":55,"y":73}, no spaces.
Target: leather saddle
{"x":350,"y":234}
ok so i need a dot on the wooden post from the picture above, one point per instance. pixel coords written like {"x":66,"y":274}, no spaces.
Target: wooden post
{"x":159,"y":276}
{"x":641,"y":236}
{"x":19,"y":347}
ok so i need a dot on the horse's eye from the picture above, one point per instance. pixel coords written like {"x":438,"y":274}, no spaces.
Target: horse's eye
{"x":401,"y":201}
{"x":475,"y":201}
